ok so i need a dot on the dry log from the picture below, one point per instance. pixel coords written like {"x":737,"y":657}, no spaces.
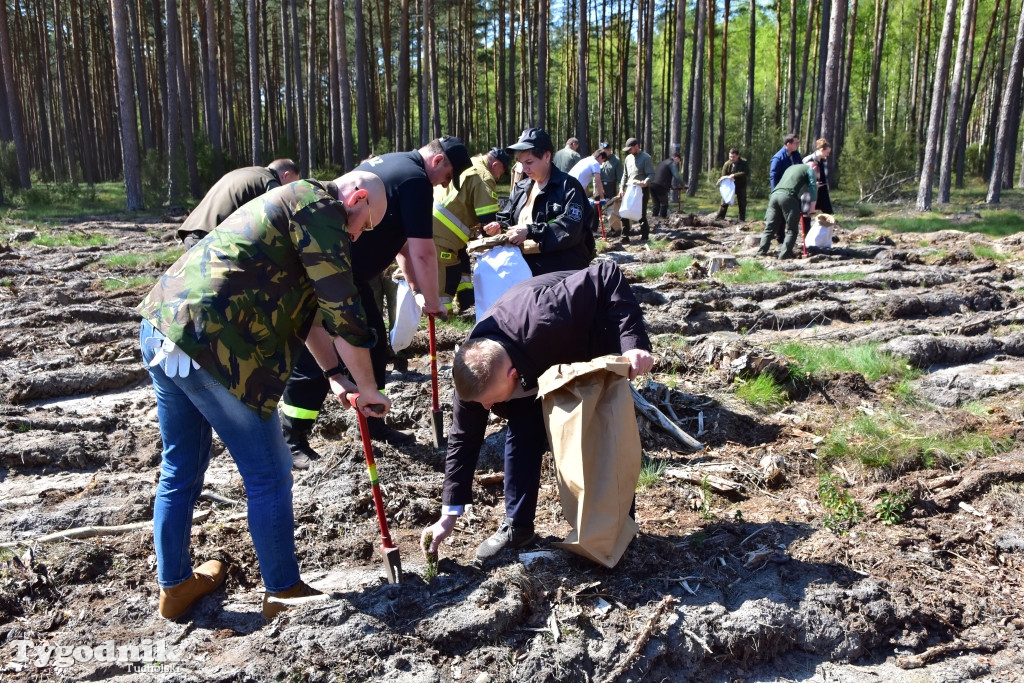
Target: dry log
{"x":694,"y":476}
{"x":490,"y":478}
{"x":94,"y":531}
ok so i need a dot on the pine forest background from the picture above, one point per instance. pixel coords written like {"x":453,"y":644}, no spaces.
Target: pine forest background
{"x":167,"y":95}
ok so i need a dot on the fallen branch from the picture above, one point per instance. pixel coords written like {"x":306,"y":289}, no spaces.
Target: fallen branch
{"x":490,"y":478}
{"x":656,"y":416}
{"x":933,"y":653}
{"x":696,"y":477}
{"x":94,"y":531}
{"x":641,"y":641}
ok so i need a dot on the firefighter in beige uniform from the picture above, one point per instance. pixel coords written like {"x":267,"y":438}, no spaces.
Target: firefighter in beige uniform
{"x":456,"y":218}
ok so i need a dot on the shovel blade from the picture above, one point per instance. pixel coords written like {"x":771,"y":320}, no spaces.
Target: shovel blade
{"x":437,"y":428}
{"x":392,"y":564}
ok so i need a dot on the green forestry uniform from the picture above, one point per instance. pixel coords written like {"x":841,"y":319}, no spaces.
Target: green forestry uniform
{"x":456,"y":218}
{"x":740,"y":172}
{"x":234,"y":189}
{"x":243,"y":300}
{"x":784,"y":208}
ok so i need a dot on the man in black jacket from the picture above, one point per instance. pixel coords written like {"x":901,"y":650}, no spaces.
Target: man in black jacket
{"x":555,"y":318}
{"x":549,"y":207}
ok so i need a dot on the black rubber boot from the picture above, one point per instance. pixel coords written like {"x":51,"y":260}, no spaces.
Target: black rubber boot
{"x":296,"y":435}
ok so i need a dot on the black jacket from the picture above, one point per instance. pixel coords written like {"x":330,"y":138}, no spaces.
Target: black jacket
{"x":562,"y":317}
{"x":560,"y":223}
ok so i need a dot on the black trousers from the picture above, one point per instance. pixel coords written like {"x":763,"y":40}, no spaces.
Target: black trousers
{"x":306,"y":388}
{"x":659,"y":195}
{"x":645,"y":229}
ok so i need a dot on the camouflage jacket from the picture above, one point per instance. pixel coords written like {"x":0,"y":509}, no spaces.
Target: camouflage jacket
{"x":241,"y":302}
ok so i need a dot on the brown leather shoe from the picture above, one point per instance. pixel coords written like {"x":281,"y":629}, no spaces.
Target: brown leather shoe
{"x":177,"y":600}
{"x":300,"y":590}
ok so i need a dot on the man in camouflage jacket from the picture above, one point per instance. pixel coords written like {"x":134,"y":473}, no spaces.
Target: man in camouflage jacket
{"x":220,"y":332}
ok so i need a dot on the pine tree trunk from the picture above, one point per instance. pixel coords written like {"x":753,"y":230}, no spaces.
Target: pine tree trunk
{"x":697,"y":120}
{"x":65,"y":94}
{"x":748,"y":118}
{"x":720,"y":148}
{"x":311,"y":86}
{"x":402,"y":109}
{"x":542,"y":63}
{"x":931,"y":152}
{"x":141,"y":83}
{"x":1009,"y":119}
{"x":833,"y":66}
{"x":300,"y":99}
{"x":791,"y":97}
{"x":126,"y":107}
{"x":808,"y":38}
{"x":173,"y":122}
{"x":952,"y":132}
{"x":881,"y":16}
{"x":582,"y":105}
{"x":676,"y":127}
{"x":252,"y":21}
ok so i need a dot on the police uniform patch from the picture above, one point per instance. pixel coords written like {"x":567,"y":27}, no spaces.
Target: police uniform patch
{"x":574,"y":212}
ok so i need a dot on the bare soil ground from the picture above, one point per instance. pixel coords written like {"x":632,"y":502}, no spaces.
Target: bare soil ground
{"x":742,"y":585}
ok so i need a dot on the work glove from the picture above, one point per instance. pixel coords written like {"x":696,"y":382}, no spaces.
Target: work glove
{"x":174,"y":361}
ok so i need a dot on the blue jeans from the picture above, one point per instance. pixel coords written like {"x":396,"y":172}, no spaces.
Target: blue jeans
{"x":188,"y":409}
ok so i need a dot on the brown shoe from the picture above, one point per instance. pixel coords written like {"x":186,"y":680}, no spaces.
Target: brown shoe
{"x":271,"y":606}
{"x":177,"y":600}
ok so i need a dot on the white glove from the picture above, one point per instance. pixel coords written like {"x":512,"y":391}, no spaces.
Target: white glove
{"x":173,"y":360}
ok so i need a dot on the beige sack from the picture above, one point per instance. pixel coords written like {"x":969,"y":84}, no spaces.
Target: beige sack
{"x":591,"y":425}
{"x":610,"y":210}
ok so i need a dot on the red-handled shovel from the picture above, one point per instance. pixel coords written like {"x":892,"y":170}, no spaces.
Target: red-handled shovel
{"x":436,"y":416}
{"x":392,"y":561}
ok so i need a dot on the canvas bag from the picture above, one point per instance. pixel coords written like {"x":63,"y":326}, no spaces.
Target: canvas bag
{"x":632,"y":207}
{"x":820,"y":233}
{"x":727,"y":188}
{"x":494,"y":271}
{"x":407,"y":317}
{"x":591,"y":426}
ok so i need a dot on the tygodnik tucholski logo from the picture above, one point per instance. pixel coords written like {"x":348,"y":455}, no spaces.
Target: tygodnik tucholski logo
{"x":144,"y":656}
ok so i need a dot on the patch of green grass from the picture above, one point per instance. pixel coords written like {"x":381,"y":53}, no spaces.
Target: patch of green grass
{"x":659,"y":245}
{"x":905,"y":394}
{"x":651,"y":471}
{"x":61,"y":201}
{"x":836,"y":277}
{"x":676,"y":266}
{"x":7,"y":282}
{"x":762,"y":391}
{"x":113,"y":284}
{"x":161,"y":259}
{"x":987,"y":252}
{"x":71,"y":239}
{"x":750,"y":272}
{"x":842,"y":511}
{"x":863,"y":358}
{"x":977,"y":408}
{"x":458,"y":323}
{"x":890,"y":440}
{"x":994,"y":223}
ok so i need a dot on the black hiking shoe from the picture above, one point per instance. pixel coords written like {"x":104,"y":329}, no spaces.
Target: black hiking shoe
{"x":507,"y":536}
{"x":381,"y":432}
{"x":303,"y":454}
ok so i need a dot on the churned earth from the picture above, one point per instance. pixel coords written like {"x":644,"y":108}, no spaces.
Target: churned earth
{"x":762,"y":555}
